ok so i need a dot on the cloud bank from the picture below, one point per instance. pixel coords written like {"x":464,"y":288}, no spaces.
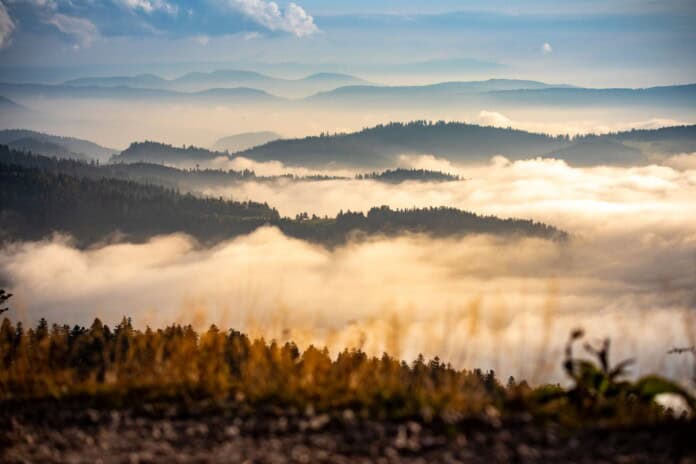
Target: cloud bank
{"x":476,"y":301}
{"x":149,"y":6}
{"x":293,"y":19}
{"x":628,"y":272}
{"x":82,"y":21}
{"x":82,"y":30}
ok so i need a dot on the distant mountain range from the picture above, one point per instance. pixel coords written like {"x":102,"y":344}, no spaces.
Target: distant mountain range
{"x":199,"y":81}
{"x":8,"y":105}
{"x":54,"y":146}
{"x":381,"y":145}
{"x":503,"y":92}
{"x":11,"y":112}
{"x":213,"y":96}
{"x":347,"y":93}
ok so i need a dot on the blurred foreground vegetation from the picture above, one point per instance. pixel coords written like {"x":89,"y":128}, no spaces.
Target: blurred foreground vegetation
{"x":122,"y":366}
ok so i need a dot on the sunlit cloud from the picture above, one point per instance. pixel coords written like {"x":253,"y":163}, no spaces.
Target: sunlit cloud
{"x":7,"y":26}
{"x":83,"y":31}
{"x":293,"y":19}
{"x":524,"y":294}
{"x":149,"y":6}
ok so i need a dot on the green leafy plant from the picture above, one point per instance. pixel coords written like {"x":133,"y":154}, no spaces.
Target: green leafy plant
{"x":599,"y":387}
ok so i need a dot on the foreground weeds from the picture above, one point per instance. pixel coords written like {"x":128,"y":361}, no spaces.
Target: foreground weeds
{"x":123,"y":366}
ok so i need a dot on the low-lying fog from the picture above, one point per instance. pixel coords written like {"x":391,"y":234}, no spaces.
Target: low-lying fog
{"x":116,"y":124}
{"x":629,"y":272}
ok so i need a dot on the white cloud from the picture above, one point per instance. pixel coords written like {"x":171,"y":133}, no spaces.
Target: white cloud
{"x":546,"y":48}
{"x":563,"y":126}
{"x":252,"y":36}
{"x":7,"y":26}
{"x":202,"y":39}
{"x":150,"y":6}
{"x":293,"y":19}
{"x":82,"y":30}
{"x":492,"y":118}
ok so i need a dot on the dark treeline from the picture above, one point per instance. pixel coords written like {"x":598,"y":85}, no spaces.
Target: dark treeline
{"x":35,"y":202}
{"x":155,"y":152}
{"x":179,"y":362}
{"x":396,"y":176}
{"x":143,"y":172}
{"x":434,"y":221}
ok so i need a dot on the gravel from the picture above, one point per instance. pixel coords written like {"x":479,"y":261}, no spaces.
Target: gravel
{"x":47,"y":432}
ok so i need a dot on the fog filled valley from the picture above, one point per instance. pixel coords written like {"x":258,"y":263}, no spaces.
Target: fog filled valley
{"x":290,"y":252}
{"x":258,"y":231}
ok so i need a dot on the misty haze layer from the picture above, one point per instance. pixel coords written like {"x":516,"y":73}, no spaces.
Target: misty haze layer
{"x":116,"y":123}
{"x":628,"y":272}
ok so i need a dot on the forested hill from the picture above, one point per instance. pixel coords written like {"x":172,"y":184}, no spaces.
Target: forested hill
{"x":459,"y":142}
{"x":35,"y":203}
{"x":154,"y":152}
{"x":378,"y":146}
{"x":55,"y":145}
{"x":189,"y":180}
{"x":399,"y":175}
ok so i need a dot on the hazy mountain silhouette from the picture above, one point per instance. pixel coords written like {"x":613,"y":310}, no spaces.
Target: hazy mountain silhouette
{"x":673,"y":95}
{"x":199,"y":81}
{"x":54,"y":145}
{"x":149,"y":81}
{"x":380,"y":145}
{"x":208,"y":96}
{"x":11,"y":112}
{"x":503,"y":92}
{"x":244,"y":141}
{"x":45,"y":148}
{"x":8,"y":105}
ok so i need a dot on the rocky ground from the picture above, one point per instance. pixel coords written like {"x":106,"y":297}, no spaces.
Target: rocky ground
{"x":48,"y":432}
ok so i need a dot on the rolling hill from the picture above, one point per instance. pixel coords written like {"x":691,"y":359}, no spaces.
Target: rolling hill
{"x":154,"y":152}
{"x":54,"y":145}
{"x":232,"y":78}
{"x":211,"y":96}
{"x":460,"y":142}
{"x":380,"y":146}
{"x":503,"y":92}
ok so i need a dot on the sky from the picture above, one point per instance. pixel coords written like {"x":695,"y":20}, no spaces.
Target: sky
{"x":623,"y":43}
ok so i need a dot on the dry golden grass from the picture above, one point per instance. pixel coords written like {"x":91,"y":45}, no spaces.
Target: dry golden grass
{"x":177,"y":363}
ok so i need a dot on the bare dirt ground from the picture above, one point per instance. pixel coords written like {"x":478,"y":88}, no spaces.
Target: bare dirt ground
{"x":46,"y":432}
